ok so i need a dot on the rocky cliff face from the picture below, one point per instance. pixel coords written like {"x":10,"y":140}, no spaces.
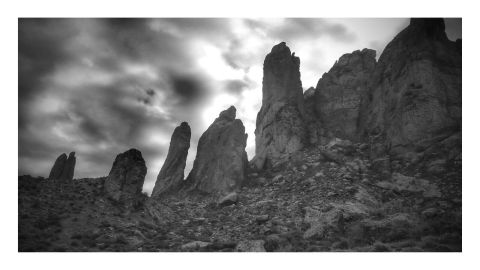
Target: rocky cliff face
{"x":63,"y":168}
{"x":221,"y":161}
{"x":280,"y":127}
{"x":171,"y":175}
{"x":125,"y":180}
{"x":399,"y":188}
{"x":415,"y":97}
{"x":338,"y":94}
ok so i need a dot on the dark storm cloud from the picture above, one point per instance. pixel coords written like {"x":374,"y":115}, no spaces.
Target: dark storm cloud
{"x":236,"y":86}
{"x":187,"y":88}
{"x":303,"y":27}
{"x":150,"y":92}
{"x":215,"y":29}
{"x":30,"y":146}
{"x":114,"y":108}
{"x":295,"y":28}
{"x":41,"y":46}
{"x":110,"y":113}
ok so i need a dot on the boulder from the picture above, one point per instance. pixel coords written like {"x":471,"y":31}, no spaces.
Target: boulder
{"x":171,"y":175}
{"x":280,"y":126}
{"x":262,"y":219}
{"x":230,"y":199}
{"x":250,"y":246}
{"x":323,"y":222}
{"x":320,"y":221}
{"x":195,"y":245}
{"x":221,"y":162}
{"x":400,"y":182}
{"x":63,"y":168}
{"x":125,"y":180}
{"x":395,"y":227}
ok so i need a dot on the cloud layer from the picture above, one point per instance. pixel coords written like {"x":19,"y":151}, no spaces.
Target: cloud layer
{"x":101,"y":86}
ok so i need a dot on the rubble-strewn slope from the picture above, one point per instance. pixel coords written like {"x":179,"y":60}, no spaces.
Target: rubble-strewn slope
{"x":323,"y":199}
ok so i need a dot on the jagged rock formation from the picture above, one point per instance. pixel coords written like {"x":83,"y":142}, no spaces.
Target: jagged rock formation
{"x":63,"y":168}
{"x":338,"y":94}
{"x":171,"y":175}
{"x":415,"y":97}
{"x":313,"y":125}
{"x":340,"y":195}
{"x":125,"y":180}
{"x":221,"y":161}
{"x":280,"y":126}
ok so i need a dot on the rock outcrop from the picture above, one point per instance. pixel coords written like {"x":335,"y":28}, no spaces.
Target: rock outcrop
{"x":313,"y":125}
{"x":393,"y":184}
{"x":221,"y":161}
{"x":280,"y":126}
{"x":414,"y":100}
{"x":339,"y":92}
{"x":171,"y":175}
{"x":125,"y":180}
{"x":63,"y":168}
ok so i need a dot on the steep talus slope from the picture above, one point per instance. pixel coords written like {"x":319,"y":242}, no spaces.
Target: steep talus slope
{"x":77,"y":216}
{"x":309,"y":203}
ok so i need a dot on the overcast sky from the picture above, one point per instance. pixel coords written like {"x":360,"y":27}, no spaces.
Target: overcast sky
{"x":100,"y":87}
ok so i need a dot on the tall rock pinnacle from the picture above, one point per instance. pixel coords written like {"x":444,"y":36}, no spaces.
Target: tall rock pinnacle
{"x":63,"y":169}
{"x":172,"y":173}
{"x":415,"y":98}
{"x":125,"y":180}
{"x":221,"y":161}
{"x":280,"y":127}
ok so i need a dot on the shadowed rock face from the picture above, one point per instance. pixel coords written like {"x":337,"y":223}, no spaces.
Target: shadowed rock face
{"x":125,"y":180}
{"x":415,"y":97}
{"x":280,"y":127}
{"x":221,"y":161}
{"x":338,"y":94}
{"x":63,"y":168}
{"x":172,"y":173}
